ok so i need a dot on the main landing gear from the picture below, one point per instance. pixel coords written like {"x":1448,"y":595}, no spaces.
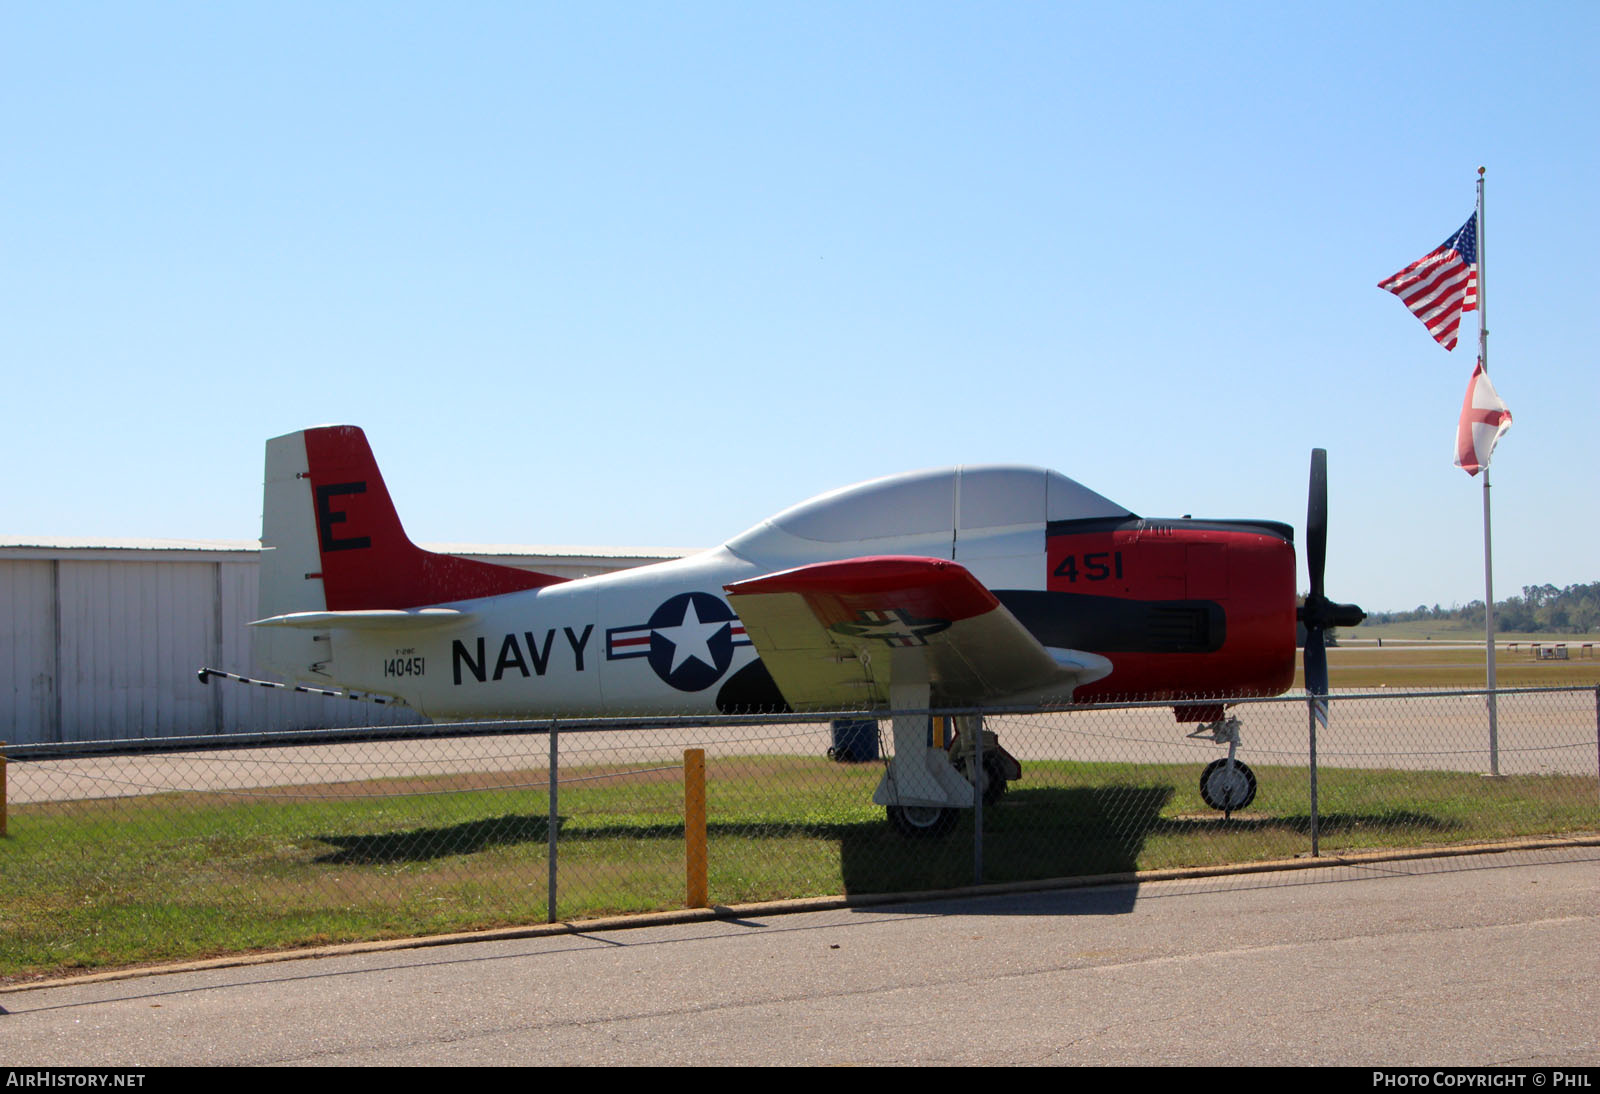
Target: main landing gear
{"x":1226,"y":784}
{"x":1000,"y":768}
{"x":935,"y":771}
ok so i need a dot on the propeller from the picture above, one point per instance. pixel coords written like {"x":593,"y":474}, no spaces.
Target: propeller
{"x":1318,"y":613}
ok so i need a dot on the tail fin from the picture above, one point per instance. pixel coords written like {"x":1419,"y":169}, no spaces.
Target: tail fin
{"x":332,"y":541}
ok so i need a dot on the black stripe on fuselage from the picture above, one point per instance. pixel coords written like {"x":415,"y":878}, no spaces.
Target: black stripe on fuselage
{"x":1108,"y":624}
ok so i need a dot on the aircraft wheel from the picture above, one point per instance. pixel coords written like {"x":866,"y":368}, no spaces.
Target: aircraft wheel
{"x":994,"y":776}
{"x":921,"y":820}
{"x":1221,"y":792}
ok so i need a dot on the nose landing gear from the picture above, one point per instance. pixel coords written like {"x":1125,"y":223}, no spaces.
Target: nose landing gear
{"x":1226,"y":784}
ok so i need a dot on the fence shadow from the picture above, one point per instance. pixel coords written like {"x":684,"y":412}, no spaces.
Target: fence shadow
{"x":1399,"y":821}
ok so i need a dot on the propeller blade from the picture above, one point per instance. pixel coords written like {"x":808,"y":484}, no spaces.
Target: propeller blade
{"x":1316,"y":660}
{"x":1319,"y":613}
{"x":1317,"y":520}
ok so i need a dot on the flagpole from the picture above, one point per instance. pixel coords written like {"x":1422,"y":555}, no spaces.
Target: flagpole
{"x":1488,"y":550}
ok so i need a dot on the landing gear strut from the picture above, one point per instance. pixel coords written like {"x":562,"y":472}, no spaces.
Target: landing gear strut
{"x":994,"y":775}
{"x":1226,"y":784}
{"x":999,"y":766}
{"x":936,"y":769}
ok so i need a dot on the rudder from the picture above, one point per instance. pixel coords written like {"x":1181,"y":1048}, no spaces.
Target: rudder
{"x":332,"y":541}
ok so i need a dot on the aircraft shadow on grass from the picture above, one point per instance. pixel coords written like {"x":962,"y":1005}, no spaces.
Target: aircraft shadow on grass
{"x":1033,"y":834}
{"x":1047,"y":831}
{"x":426,"y":844}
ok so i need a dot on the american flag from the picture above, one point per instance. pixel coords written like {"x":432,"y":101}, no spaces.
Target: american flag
{"x":1442,"y":284}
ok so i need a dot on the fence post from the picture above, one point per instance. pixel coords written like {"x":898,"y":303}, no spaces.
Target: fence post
{"x":551,"y":827}
{"x":1596,"y":747}
{"x":696,"y":891}
{"x":3,"y":785}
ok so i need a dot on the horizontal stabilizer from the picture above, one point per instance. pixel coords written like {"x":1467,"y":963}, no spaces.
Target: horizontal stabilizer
{"x":371,"y":619}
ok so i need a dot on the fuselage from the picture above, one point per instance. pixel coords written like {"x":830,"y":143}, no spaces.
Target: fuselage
{"x":1181,"y":608}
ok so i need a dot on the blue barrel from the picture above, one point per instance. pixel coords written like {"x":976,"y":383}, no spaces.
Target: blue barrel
{"x":855,"y":740}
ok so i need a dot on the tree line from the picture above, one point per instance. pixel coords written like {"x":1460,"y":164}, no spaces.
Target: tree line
{"x":1573,"y":610}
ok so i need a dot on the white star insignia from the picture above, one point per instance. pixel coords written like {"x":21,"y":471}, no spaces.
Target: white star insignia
{"x":691,"y":638}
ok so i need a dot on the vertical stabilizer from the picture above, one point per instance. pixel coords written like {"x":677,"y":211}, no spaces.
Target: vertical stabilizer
{"x":332,"y":541}
{"x":288,"y":532}
{"x":288,"y":555}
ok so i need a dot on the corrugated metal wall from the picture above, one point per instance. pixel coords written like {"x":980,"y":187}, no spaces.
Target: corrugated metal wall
{"x":103,"y":649}
{"x":28,"y":656}
{"x":105,"y":644}
{"x":126,"y":631}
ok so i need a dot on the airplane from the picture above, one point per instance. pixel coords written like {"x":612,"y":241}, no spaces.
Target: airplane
{"x":958,"y":588}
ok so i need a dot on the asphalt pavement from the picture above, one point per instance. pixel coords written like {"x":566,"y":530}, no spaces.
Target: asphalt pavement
{"x":1483,"y":960}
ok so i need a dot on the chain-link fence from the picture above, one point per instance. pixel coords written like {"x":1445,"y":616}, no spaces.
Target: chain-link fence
{"x":119,"y":854}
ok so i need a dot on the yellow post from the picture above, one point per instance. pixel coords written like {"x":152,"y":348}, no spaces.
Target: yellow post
{"x":694,"y":826}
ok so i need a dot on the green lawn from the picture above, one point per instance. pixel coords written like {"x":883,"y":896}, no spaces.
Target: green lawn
{"x":1411,"y":666}
{"x":134,"y":880}
{"x":1451,"y":630}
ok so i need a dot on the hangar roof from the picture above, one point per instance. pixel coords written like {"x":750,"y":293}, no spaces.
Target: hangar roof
{"x":133,"y":548}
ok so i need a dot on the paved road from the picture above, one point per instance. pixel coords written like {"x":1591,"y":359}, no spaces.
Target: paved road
{"x":1489,"y":960}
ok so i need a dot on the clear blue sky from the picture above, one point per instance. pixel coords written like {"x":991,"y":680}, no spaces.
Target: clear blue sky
{"x":641,"y":274}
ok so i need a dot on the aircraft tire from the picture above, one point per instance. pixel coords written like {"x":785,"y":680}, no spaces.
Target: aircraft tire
{"x":921,"y":821}
{"x":1219,"y":793}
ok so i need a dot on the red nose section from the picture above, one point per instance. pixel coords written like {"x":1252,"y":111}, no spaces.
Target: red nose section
{"x":1217,"y":599}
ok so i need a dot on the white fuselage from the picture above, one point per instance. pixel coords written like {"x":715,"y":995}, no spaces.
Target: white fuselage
{"x":662,"y":639}
{"x":569,"y":649}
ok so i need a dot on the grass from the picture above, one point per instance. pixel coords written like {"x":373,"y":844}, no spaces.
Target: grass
{"x":135,"y":880}
{"x":1367,"y":666}
{"x":1451,"y":630}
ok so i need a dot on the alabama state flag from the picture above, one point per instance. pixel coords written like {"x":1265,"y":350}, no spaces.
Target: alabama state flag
{"x":1483,"y":419}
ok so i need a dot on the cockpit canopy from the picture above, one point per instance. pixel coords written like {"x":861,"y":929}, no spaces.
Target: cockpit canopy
{"x":924,"y":512}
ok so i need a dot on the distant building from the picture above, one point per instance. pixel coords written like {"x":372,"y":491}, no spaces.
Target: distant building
{"x":104,"y":636}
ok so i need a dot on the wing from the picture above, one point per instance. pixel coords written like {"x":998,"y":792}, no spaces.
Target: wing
{"x":837,"y":635}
